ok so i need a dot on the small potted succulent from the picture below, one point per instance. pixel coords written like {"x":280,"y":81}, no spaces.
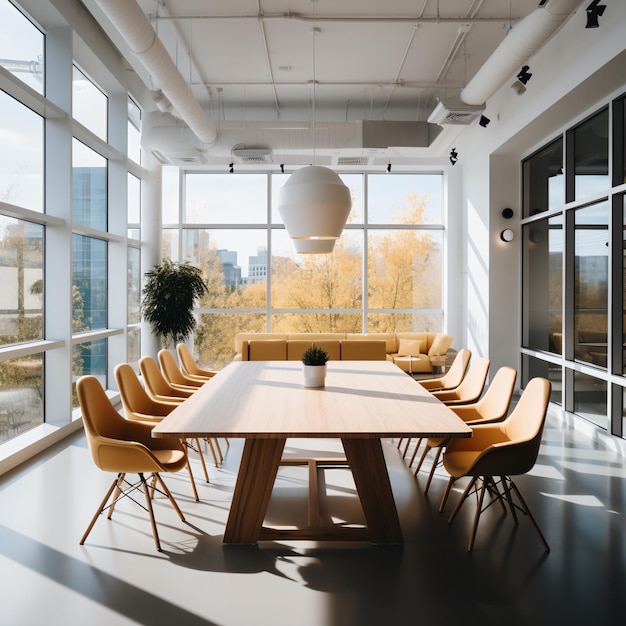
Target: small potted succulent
{"x":314,"y":360}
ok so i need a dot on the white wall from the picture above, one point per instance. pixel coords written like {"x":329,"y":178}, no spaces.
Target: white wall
{"x":576,"y":72}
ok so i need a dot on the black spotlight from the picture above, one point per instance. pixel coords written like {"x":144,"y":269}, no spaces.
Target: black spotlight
{"x":232,"y":167}
{"x":594,"y":11}
{"x":388,"y":168}
{"x":454,"y":156}
{"x":507,"y":213}
{"x":282,"y":168}
{"x":484,"y":121}
{"x":524,"y":75}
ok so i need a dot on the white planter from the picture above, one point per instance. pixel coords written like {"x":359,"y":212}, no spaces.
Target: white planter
{"x":314,"y":375}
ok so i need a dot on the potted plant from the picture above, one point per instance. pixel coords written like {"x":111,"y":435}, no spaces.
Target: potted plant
{"x":314,"y":360}
{"x":168,"y":300}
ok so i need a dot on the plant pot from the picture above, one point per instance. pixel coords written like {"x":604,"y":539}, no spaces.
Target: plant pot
{"x":314,"y":375}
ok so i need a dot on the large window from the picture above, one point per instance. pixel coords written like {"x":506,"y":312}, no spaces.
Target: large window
{"x":591,"y":155}
{"x":21,"y":47}
{"x":574,"y":273}
{"x":64,"y":252}
{"x":21,"y":277}
{"x":89,"y":104}
{"x":21,"y":156}
{"x":591,"y":282}
{"x":384,"y":275}
{"x":543,"y":294}
{"x":89,"y":187}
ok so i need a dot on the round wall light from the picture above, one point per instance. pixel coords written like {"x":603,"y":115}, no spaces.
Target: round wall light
{"x":507,"y":235}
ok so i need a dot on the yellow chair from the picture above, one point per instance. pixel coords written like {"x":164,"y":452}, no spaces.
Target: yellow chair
{"x":454,"y":375}
{"x":159,"y":389}
{"x":123,"y":446}
{"x":157,"y":386}
{"x":492,"y":407}
{"x":172,"y":373}
{"x":188,"y":365}
{"x":501,"y":449}
{"x":138,"y":405}
{"x":469,"y":390}
{"x":452,"y":379}
{"x":471,"y":387}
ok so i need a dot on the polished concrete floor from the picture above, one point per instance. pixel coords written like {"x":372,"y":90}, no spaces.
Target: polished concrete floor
{"x":576,"y":491}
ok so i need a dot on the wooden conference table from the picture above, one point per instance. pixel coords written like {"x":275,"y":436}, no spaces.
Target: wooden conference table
{"x":265,"y":403}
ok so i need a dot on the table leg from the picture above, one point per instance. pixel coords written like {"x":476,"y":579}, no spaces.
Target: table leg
{"x":255,"y":480}
{"x":367,"y":462}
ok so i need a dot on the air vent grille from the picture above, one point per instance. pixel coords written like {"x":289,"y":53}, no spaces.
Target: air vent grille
{"x":355,"y":160}
{"x":251,"y":155}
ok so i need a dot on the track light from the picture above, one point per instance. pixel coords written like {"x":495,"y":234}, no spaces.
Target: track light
{"x":524,"y":75}
{"x":484,"y":121}
{"x":232,"y":167}
{"x":454,"y":156}
{"x":282,"y":168}
{"x":388,"y":168}
{"x":594,"y":11}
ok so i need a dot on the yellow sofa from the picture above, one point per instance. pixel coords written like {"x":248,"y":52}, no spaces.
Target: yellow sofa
{"x":412,"y":352}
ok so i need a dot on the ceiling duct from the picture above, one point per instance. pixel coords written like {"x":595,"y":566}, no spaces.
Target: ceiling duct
{"x":256,"y":143}
{"x":128,"y":18}
{"x":454,"y":112}
{"x":522,"y":41}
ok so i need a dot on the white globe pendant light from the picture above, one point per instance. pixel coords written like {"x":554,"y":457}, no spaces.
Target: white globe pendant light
{"x":314,"y":204}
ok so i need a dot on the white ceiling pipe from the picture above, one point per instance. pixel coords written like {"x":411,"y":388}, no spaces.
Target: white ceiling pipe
{"x":522,"y":41}
{"x":130,"y":21}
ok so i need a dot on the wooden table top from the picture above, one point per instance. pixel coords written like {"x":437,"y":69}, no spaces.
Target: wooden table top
{"x":267,"y":400}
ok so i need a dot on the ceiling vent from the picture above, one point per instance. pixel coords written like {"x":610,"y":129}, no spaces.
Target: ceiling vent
{"x":353,"y":160}
{"x":455,"y":113}
{"x":188,"y":157}
{"x":249,"y":155}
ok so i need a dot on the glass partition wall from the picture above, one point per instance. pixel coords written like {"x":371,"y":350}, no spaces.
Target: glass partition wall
{"x":574,"y":223}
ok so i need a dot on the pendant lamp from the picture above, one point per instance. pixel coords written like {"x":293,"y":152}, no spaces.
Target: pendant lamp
{"x":314,"y":204}
{"x":314,"y":246}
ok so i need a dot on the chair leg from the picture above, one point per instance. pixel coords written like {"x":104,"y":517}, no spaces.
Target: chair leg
{"x":417,"y":447}
{"x":212,"y":448}
{"x":406,"y":447}
{"x":114,"y":484}
{"x":219,"y":449}
{"x":155,"y":533}
{"x":170,"y":497}
{"x":462,"y":498}
{"x":446,"y":493}
{"x":525,"y":508}
{"x":118,"y":494}
{"x":427,"y":449}
{"x":479,"y":509}
{"x":433,"y":468}
{"x":193,"y":482}
{"x":198,"y":449}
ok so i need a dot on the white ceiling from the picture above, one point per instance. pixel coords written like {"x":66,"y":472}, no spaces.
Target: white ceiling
{"x":251,"y":63}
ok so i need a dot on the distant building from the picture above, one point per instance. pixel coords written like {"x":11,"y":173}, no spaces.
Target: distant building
{"x":257,"y":267}
{"x":232,"y":271}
